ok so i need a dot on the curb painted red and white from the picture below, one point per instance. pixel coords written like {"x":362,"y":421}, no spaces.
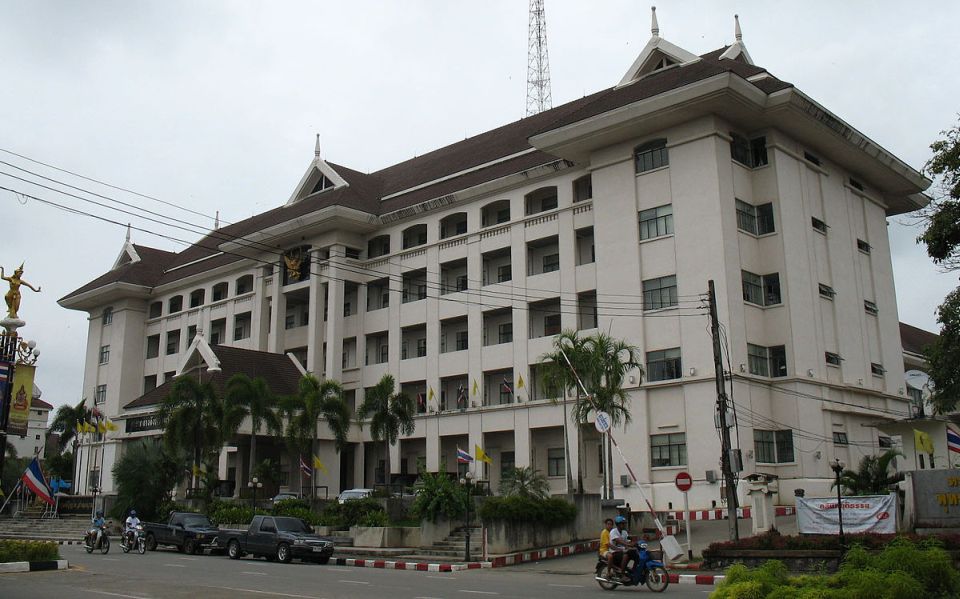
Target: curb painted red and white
{"x":405,"y":565}
{"x":721,"y":514}
{"x":709,"y":579}
{"x":542,"y":554}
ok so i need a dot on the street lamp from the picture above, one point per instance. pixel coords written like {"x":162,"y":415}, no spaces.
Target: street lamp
{"x":254,"y":484}
{"x":837,"y":466}
{"x":466,"y":482}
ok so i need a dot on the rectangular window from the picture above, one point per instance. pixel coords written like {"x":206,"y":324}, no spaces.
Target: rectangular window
{"x":827,"y":291}
{"x":758,"y":149}
{"x":650,"y":156}
{"x":104,"y":354}
{"x":664,"y":365}
{"x":761,"y":290}
{"x":503,"y":215}
{"x":767,"y":361}
{"x":149,"y":383}
{"x":740,"y":150}
{"x":811,"y":158}
{"x":461,"y":282}
{"x":347,"y":309}
{"x":173,"y":342}
{"x":156,"y":308}
{"x":773,"y":447}
{"x":556,"y":462}
{"x":505,"y":332}
{"x":504,"y":273}
{"x":870,"y":307}
{"x":551,"y":324}
{"x":660,"y":293}
{"x":818,"y":225}
{"x":462,"y":343}
{"x":100,"y":395}
{"x":153,"y":346}
{"x":884,"y":442}
{"x":833,"y":359}
{"x":856,"y":184}
{"x":656,"y":222}
{"x":840,"y":438}
{"x":668,"y":450}
{"x":877,"y":369}
{"x":551,"y":262}
{"x":421,"y":348}
{"x":107,"y":316}
{"x":583,"y":189}
{"x":507,"y":463}
{"x":863,"y":246}
{"x":757,"y":220}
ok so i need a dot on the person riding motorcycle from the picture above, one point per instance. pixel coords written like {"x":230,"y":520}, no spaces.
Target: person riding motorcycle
{"x":130,"y":526}
{"x":605,"y":551}
{"x":98,"y":524}
{"x":622,"y":545}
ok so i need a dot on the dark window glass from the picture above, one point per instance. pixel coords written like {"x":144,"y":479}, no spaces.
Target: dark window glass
{"x":583,"y":189}
{"x":664,"y":365}
{"x":660,"y":293}
{"x":656,"y":222}
{"x":818,"y":225}
{"x":668,"y":450}
{"x":651,"y":155}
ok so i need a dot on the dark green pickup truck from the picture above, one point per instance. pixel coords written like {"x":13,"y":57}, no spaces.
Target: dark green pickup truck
{"x":276,"y":538}
{"x":187,"y":531}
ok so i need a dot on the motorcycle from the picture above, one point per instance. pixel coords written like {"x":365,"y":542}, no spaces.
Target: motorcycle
{"x":134,"y":539}
{"x":90,"y":540}
{"x":646,"y":570}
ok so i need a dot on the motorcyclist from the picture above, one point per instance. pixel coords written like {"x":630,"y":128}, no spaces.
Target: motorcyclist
{"x":621,"y":543}
{"x":605,"y":551}
{"x":130,"y":525}
{"x":98,"y":524}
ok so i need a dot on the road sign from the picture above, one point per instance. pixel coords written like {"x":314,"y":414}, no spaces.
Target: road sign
{"x":683,"y":481}
{"x":603,"y":422}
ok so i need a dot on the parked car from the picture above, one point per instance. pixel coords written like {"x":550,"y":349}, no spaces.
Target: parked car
{"x":351,"y":494}
{"x":187,"y":531}
{"x":276,"y":538}
{"x":283,"y":497}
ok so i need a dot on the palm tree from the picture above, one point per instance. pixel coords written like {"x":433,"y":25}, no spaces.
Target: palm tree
{"x":872,"y":476}
{"x":525,"y":482}
{"x":253,"y":398}
{"x":609,"y":361}
{"x":66,"y":419}
{"x":557,"y":375}
{"x":390,"y":415}
{"x":197,"y":421}
{"x":316,"y":399}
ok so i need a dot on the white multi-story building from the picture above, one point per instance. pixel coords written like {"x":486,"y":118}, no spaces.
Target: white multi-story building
{"x":453,"y":270}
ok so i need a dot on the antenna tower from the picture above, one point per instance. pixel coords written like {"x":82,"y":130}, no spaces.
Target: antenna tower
{"x":538,"y":61}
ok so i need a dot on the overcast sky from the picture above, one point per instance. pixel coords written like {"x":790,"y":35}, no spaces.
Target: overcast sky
{"x":214,"y":105}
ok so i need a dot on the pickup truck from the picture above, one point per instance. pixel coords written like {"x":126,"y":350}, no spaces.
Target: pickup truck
{"x":276,"y":538}
{"x":186,"y":531}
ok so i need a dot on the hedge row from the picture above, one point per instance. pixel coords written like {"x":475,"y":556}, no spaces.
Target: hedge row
{"x":28,"y":551}
{"x":549,"y":512}
{"x":775,"y":541}
{"x":361,"y":512}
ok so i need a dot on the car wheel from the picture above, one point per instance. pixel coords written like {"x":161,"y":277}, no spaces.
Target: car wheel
{"x":190,"y":547}
{"x":233,"y":550}
{"x":283,"y":553}
{"x":151,"y":543}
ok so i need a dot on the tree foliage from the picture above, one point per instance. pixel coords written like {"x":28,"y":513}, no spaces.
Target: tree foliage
{"x":252,"y":398}
{"x":873,"y":476}
{"x":439,"y":495}
{"x":145,"y":476}
{"x":65,"y":421}
{"x":524,"y":482}
{"x":390,"y":414}
{"x":315,"y":399}
{"x":943,"y":356}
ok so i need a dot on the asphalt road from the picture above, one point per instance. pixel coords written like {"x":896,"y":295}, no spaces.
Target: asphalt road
{"x":164,"y":574}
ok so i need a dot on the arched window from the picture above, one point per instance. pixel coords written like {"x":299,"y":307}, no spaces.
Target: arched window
{"x":651,"y":155}
{"x":495,"y":213}
{"x":414,"y":236}
{"x":156,"y":309}
{"x":454,"y":224}
{"x":244,"y":284}
{"x":175,"y":305}
{"x":220,"y":291}
{"x":378,"y":246}
{"x":196,"y":298}
{"x":583,"y":189}
{"x":540,"y":200}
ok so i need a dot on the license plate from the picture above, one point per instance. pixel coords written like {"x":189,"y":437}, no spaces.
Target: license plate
{"x":317,"y":549}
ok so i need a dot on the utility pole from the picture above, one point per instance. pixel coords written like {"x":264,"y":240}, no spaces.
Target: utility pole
{"x":726,"y":451}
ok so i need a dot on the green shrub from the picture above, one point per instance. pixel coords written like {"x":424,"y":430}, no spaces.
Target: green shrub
{"x":223,"y":512}
{"x":28,"y":551}
{"x":438,"y":495}
{"x":374,"y":519}
{"x":352,"y":512}
{"x":516,"y":508}
{"x":280,"y":507}
{"x":298,"y":512}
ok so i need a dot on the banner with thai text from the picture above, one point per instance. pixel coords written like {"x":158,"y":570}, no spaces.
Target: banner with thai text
{"x":874,"y":513}
{"x":20,"y":397}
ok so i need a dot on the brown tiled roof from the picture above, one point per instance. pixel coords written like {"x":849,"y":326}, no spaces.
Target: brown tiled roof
{"x":364,"y":191}
{"x":40,"y":404}
{"x":914,"y":340}
{"x":147,"y":272}
{"x":276,"y":369}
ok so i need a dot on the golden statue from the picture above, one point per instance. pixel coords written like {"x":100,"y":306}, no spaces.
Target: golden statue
{"x":12,"y":296}
{"x":293,"y":265}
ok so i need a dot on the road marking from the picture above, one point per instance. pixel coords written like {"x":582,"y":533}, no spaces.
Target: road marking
{"x":189,"y":559}
{"x":570,"y":586}
{"x":255,"y":573}
{"x":268,"y":593}
{"x":426,"y":598}
{"x":115,"y":594}
{"x":354,"y":581}
{"x":110,"y":559}
{"x":478,"y":592}
{"x":443,"y":577}
{"x":174,"y":565}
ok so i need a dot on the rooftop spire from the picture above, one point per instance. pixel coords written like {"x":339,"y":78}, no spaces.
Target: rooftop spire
{"x":128,"y":233}
{"x":316,"y":149}
{"x":739,"y":33}
{"x":654,"y":26}
{"x":216,"y":221}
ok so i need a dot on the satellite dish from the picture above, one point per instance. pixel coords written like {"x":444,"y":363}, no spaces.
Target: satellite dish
{"x":920,"y":381}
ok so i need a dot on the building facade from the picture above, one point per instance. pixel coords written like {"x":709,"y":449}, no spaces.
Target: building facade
{"x":453,"y":271}
{"x":35,"y":441}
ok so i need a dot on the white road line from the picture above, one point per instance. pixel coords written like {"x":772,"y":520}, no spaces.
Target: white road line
{"x":270,"y":593}
{"x":174,"y":565}
{"x":189,"y":559}
{"x":354,"y":581}
{"x":477,"y":592}
{"x":110,"y":559}
{"x":426,"y":598}
{"x":114,"y":594}
{"x":569,"y":586}
{"x":443,"y":577}
{"x":255,"y":573}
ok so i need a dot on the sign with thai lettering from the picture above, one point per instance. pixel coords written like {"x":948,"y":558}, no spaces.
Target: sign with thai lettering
{"x":936,"y":496}
{"x":874,"y":513}
{"x":20,"y":397}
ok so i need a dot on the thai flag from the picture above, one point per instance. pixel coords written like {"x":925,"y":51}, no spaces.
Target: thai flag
{"x":33,"y":478}
{"x":953,"y":440}
{"x":305,"y":468}
{"x":463,"y":457}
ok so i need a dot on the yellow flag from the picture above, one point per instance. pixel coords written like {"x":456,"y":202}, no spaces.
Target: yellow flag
{"x":482,"y":455}
{"x":196,"y":470}
{"x":88,"y":428}
{"x":923,"y":441}
{"x":520,"y":383}
{"x":319,"y":465}
{"x":110,"y":425}
{"x":78,"y":428}
{"x":430,"y":394}
{"x":476,"y":389}
{"x":101,"y":427}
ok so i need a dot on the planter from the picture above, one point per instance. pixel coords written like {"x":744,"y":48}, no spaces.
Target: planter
{"x":432,"y":533}
{"x":385,"y":536}
{"x":510,"y":537}
{"x":796,"y":560}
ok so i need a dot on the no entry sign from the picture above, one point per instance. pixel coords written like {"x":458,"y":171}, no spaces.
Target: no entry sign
{"x":683,"y":481}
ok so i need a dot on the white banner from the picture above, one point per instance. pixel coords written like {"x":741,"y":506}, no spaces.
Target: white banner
{"x":875,"y":513}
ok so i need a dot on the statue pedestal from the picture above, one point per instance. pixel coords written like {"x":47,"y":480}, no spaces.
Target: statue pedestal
{"x":12,"y":324}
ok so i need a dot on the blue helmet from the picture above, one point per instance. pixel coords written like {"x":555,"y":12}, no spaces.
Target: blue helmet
{"x":133,"y":513}
{"x":619,"y":520}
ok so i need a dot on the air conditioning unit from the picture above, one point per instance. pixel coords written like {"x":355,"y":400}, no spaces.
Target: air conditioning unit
{"x":625,"y":480}
{"x":711,"y":476}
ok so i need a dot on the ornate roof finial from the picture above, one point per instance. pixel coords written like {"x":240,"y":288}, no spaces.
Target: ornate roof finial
{"x":654,"y":26}
{"x":316,"y":150}
{"x":128,"y":232}
{"x":739,"y":33}
{"x":216,"y":220}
